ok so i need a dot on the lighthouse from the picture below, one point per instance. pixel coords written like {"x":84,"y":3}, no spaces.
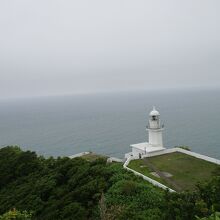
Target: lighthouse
{"x":155,"y":129}
{"x":155,"y":139}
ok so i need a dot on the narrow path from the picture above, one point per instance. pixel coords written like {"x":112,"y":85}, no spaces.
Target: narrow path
{"x":162,"y":176}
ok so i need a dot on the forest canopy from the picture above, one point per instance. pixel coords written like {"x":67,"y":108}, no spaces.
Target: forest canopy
{"x":64,"y":188}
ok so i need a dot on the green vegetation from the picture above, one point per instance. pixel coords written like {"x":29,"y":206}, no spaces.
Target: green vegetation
{"x":214,"y":216}
{"x":186,"y":170}
{"x":141,"y":167}
{"x":92,"y":157}
{"x":65,"y":188}
{"x":16,"y":215}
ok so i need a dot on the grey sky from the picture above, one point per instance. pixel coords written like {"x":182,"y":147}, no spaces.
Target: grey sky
{"x":57,"y":47}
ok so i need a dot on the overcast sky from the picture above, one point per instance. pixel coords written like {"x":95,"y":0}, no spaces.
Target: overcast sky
{"x":82,"y":46}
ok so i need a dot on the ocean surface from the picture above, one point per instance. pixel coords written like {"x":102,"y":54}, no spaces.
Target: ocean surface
{"x":109,"y":123}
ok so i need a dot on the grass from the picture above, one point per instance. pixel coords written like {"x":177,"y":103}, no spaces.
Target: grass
{"x":187,"y":171}
{"x":92,"y":157}
{"x":140,"y":167}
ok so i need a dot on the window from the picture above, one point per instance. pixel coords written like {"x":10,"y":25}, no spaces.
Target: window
{"x":154,"y":118}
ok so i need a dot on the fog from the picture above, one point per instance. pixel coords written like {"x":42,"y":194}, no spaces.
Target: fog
{"x":50,"y":47}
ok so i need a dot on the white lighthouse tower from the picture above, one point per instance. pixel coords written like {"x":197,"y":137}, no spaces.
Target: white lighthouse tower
{"x":155,"y":129}
{"x":155,"y":139}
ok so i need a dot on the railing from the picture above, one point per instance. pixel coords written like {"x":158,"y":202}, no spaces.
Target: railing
{"x":148,"y":127}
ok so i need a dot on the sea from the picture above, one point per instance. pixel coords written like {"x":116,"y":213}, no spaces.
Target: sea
{"x":109,"y":123}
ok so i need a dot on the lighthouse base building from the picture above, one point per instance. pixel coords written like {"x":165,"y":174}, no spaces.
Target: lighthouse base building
{"x":144,"y":148}
{"x":155,"y":143}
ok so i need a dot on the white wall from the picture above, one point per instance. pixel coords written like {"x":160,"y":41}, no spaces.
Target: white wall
{"x":155,"y":137}
{"x":136,"y":152}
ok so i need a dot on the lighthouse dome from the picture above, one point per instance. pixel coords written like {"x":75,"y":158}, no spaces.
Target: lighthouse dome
{"x":154,"y":112}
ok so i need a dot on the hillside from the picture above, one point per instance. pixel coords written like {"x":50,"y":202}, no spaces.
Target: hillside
{"x":63,"y":188}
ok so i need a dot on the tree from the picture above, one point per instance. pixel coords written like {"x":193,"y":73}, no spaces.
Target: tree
{"x":16,"y":215}
{"x":214,"y":216}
